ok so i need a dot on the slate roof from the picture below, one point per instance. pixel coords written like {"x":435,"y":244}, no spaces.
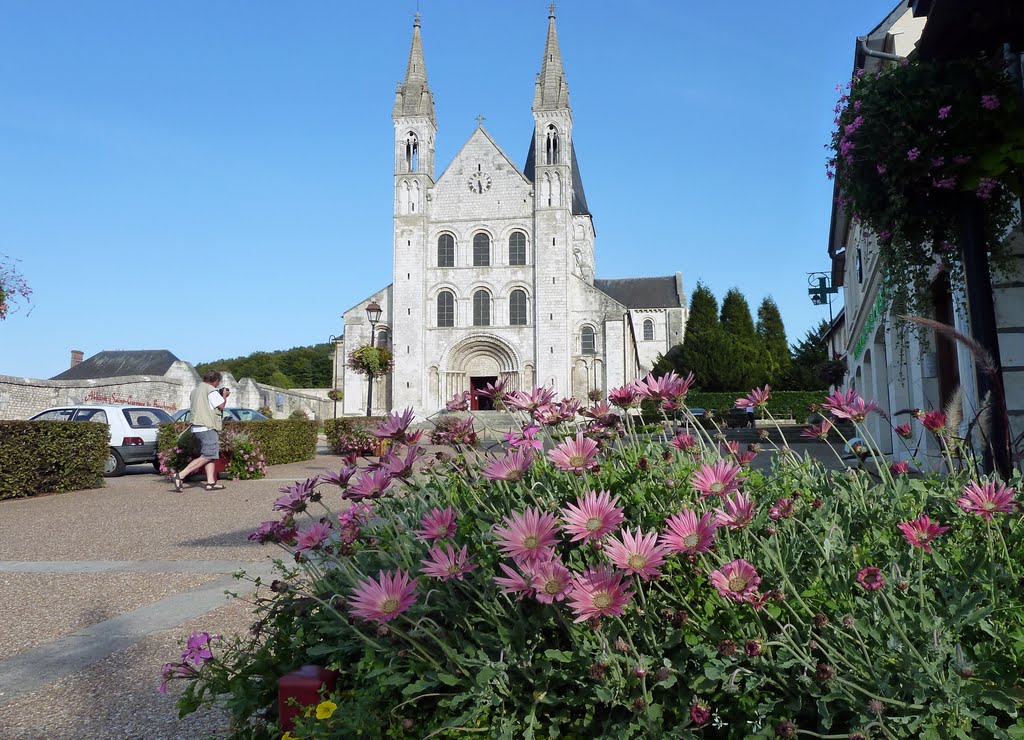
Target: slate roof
{"x":642,"y":292}
{"x":117,"y":363}
{"x":579,"y":198}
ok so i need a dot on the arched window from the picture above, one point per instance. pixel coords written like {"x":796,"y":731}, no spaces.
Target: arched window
{"x":481,"y":250}
{"x":445,"y":308}
{"x":446,"y":250}
{"x":588,"y":340}
{"x":517,"y":313}
{"x":517,"y":248}
{"x":383,"y":338}
{"x":648,"y":330}
{"x":551,"y":145}
{"x":412,"y":152}
{"x":481,"y":308}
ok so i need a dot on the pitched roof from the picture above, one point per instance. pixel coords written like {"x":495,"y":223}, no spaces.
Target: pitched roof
{"x":117,"y":363}
{"x":643,"y":292}
{"x":552,"y":90}
{"x":413,"y":97}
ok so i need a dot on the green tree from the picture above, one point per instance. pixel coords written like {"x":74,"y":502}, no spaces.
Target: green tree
{"x":298,"y":367}
{"x":772,"y":334}
{"x":746,"y":367}
{"x":702,"y":349}
{"x":809,"y":355}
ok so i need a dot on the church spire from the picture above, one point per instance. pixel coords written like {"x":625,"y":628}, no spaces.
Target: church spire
{"x":413,"y":97}
{"x":552,"y":92}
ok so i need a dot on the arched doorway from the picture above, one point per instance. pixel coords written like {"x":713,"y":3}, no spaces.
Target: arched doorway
{"x":474,"y":363}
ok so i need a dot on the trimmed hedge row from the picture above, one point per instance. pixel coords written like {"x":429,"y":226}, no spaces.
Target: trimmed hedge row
{"x":350,"y":435}
{"x":48,"y":456}
{"x":280,"y":440}
{"x":782,"y":404}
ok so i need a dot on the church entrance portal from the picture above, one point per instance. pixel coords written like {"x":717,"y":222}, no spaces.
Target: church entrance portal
{"x":476,"y":384}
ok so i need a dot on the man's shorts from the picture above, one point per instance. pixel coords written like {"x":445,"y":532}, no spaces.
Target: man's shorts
{"x":210,"y":441}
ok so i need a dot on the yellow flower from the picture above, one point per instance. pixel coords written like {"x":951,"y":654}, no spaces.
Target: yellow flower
{"x":325,"y":709}
{"x":288,"y":736}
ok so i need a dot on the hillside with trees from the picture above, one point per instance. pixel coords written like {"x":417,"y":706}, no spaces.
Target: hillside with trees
{"x":298,"y":367}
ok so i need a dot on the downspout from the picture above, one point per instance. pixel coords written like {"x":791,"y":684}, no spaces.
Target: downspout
{"x":632,"y":333}
{"x":862,"y":48}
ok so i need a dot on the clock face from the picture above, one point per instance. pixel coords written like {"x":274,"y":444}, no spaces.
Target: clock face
{"x":479,"y":182}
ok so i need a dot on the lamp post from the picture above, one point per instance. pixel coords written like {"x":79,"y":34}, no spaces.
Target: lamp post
{"x":334,"y":378}
{"x":821,"y":291}
{"x":373,"y":316}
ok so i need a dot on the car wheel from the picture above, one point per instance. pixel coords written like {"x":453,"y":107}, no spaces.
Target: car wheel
{"x":114,"y":466}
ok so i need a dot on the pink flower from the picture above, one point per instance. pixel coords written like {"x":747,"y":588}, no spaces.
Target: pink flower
{"x":394,"y":426}
{"x":599,"y":592}
{"x":526,"y":537}
{"x":758,"y":398}
{"x":403,"y":467}
{"x":870,"y":578}
{"x":987,"y":499}
{"x":700,"y":712}
{"x":986,"y":186}
{"x":718,"y":479}
{"x":624,"y":397}
{"x":944,"y":112}
{"x":737,"y":513}
{"x":296,"y":496}
{"x":575,"y":455}
{"x":849,"y":405}
{"x":782,"y":509}
{"x":913,"y":154}
{"x":494,"y":390}
{"x":934,"y":421}
{"x":313,"y":537}
{"x":592,"y":516}
{"x":459,"y":402}
{"x":921,"y":531}
{"x":514,"y":582}
{"x":818,"y":431}
{"x":371,"y":484}
{"x":529,"y":402}
{"x":385,"y":598}
{"x":990,"y":102}
{"x":669,"y":387}
{"x":512,"y":467}
{"x":903,"y":430}
{"x":881,"y":168}
{"x":551,"y":581}
{"x":684,"y":442}
{"x":637,"y":554}
{"x":437,"y":524}
{"x":899,"y":468}
{"x":737,"y":581}
{"x":553,"y":414}
{"x":447,"y":564}
{"x":527,"y":438}
{"x":688,"y":534}
{"x":197,"y":649}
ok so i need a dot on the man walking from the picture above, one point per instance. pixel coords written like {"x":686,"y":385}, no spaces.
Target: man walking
{"x":207,"y":405}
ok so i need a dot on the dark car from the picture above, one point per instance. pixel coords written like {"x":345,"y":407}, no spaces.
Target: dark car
{"x":233,"y":413}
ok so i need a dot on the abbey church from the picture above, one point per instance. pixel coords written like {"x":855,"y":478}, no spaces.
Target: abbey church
{"x":494,"y":274}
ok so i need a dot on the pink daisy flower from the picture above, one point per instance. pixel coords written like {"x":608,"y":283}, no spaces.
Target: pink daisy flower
{"x":934,"y":421}
{"x":447,"y":564}
{"x":402,"y":467}
{"x":637,"y":554}
{"x":736,"y":581}
{"x":818,"y":431}
{"x":668,"y":388}
{"x":903,"y":430}
{"x":551,"y":581}
{"x":527,"y":537}
{"x":688,"y":534}
{"x":849,"y":405}
{"x":385,"y":598}
{"x":494,"y":390}
{"x":921,"y":531}
{"x":512,"y":467}
{"x":987,"y":499}
{"x":899,"y":468}
{"x":371,"y":484}
{"x":459,"y":402}
{"x":719,"y":479}
{"x":781,"y":509}
{"x":312,"y":537}
{"x":684,"y":442}
{"x":737,"y":513}
{"x":437,"y":524}
{"x":870,"y":578}
{"x":575,"y":455}
{"x":529,"y":402}
{"x":758,"y":398}
{"x":624,"y":397}
{"x":599,"y":592}
{"x":394,"y":426}
{"x":592,"y":516}
{"x":526,"y":438}
{"x":514,"y":582}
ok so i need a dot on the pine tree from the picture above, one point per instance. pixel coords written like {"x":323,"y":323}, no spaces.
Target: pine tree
{"x":809,"y":354}
{"x":701,"y":350}
{"x":746,"y":367}
{"x":772,"y":333}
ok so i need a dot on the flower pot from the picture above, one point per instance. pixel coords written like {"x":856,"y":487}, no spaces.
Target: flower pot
{"x":303,"y":685}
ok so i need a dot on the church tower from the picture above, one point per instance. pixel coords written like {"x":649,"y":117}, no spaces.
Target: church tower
{"x":550,"y":166}
{"x":415,"y":131}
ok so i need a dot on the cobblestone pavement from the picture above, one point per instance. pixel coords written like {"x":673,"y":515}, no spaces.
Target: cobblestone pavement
{"x":98,"y":587}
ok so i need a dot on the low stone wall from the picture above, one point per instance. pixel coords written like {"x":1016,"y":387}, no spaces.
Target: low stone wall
{"x":21,"y":398}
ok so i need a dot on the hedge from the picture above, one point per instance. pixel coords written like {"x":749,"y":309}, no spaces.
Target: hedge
{"x":280,"y":440}
{"x":350,"y":435}
{"x":782,"y":404}
{"x":48,"y":456}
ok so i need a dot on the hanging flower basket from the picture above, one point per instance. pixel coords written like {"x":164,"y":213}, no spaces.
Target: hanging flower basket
{"x":371,"y":361}
{"x":912,"y":142}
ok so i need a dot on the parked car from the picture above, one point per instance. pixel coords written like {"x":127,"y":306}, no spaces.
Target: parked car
{"x":230,"y":414}
{"x":133,"y":431}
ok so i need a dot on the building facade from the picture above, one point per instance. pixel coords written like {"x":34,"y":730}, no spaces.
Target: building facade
{"x":494,"y":272}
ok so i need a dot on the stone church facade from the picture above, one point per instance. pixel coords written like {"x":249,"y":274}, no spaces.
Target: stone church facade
{"x":494,"y":267}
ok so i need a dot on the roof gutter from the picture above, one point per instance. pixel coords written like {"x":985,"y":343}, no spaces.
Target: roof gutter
{"x":863,"y":48}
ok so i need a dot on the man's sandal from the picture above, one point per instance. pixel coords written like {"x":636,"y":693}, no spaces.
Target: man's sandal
{"x":213,"y":487}
{"x":179,"y":485}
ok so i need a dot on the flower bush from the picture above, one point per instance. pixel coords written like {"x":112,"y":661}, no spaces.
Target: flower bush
{"x":909,"y":140}
{"x":245,"y":460}
{"x":371,"y":361}
{"x":349,"y":436}
{"x":613,"y":585}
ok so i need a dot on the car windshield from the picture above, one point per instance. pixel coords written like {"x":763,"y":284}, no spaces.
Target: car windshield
{"x":144,"y":417}
{"x":55,"y":415}
{"x":247,"y":414}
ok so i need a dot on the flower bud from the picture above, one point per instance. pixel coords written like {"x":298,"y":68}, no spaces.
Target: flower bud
{"x":785,"y":728}
{"x":662,"y":674}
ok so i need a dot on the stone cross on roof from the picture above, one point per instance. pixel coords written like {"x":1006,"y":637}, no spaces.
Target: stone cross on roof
{"x":480,"y":120}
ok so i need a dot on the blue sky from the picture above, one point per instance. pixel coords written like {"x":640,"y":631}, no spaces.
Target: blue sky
{"x":139,"y":141}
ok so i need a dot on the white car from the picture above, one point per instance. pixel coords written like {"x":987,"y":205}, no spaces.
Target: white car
{"x":133,"y":431}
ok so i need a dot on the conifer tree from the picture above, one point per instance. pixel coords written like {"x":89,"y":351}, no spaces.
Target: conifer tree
{"x":809,"y":354}
{"x":701,"y":351}
{"x":746,"y":356}
{"x":772,"y":333}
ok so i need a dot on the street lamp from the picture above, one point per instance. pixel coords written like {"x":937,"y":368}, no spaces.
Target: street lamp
{"x":373,"y":316}
{"x":821,"y":291}
{"x":334,"y":378}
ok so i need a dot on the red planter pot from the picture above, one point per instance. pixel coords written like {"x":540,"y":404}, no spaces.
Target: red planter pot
{"x":305,"y":685}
